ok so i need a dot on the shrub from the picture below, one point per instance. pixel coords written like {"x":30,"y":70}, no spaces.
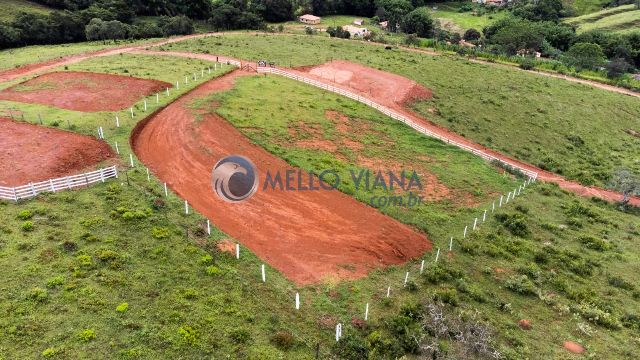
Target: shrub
{"x":87,"y":335}
{"x":521,"y":285}
{"x":38,"y":295}
{"x":594,"y":314}
{"x":283,"y":340}
{"x":631,"y":321}
{"x":527,"y":64}
{"x":160,"y":232}
{"x":85,"y":261}
{"x":437,"y":273}
{"x":27,"y":226}
{"x":50,"y":352}
{"x":55,"y":281}
{"x":620,"y":283}
{"x":515,"y":223}
{"x":447,"y":296}
{"x":122,"y":307}
{"x":594,"y":243}
{"x":189,"y":335}
{"x":351,"y":346}
{"x":25,"y":215}
{"x":213,"y":270}
{"x":240,"y":336}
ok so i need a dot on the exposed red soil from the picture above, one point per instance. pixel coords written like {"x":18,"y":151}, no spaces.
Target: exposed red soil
{"x":524,"y":324}
{"x":360,"y":79}
{"x":309,"y":236}
{"x":386,"y":88}
{"x":83,"y":91}
{"x":573,"y":347}
{"x":31,"y":153}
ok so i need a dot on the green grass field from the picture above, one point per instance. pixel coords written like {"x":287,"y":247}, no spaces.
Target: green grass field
{"x":620,"y":19}
{"x":551,"y":123}
{"x":583,"y":7}
{"x":11,"y":8}
{"x":71,"y":260}
{"x":11,"y":58}
{"x":450,"y":16}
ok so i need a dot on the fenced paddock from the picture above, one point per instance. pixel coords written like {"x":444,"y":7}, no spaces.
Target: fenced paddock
{"x":394,"y":115}
{"x":54,"y":185}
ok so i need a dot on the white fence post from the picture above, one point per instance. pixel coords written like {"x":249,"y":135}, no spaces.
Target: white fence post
{"x":297,"y":301}
{"x":157,"y":98}
{"x":131,"y":112}
{"x":101,"y":175}
{"x":464,"y":234}
{"x":117,"y":149}
{"x":167,"y":91}
{"x":145,"y":105}
{"x":166,"y":193}
{"x":406,"y":278}
{"x":475,"y":222}
{"x":338,"y":332}
{"x":389,"y":291}
{"x":208,"y":227}
{"x":501,"y":196}
{"x":422,"y":266}
{"x":237,"y":251}
{"x":264,"y":274}
{"x":131,"y":159}
{"x":437,"y":254}
{"x":186,"y":207}
{"x":148,"y":177}
{"x":366,"y":312}
{"x":484,"y":216}
{"x":451,"y":244}
{"x":117,"y":121}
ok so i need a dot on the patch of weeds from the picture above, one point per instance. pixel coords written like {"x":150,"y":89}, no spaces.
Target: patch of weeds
{"x":283,"y":340}
{"x":188,"y":334}
{"x":122,"y":307}
{"x":160,"y":232}
{"x":620,"y":283}
{"x":594,"y":243}
{"x":87,"y":335}
{"x":38,"y":295}
{"x":25,"y":215}
{"x":55,"y":281}
{"x":515,"y":223}
{"x":27,"y":226}
{"x":240,"y":336}
{"x":521,"y":285}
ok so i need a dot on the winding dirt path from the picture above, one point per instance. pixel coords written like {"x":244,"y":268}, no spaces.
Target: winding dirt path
{"x":307,"y":235}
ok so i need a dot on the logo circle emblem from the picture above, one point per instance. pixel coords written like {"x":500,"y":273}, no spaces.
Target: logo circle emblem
{"x":234,"y":178}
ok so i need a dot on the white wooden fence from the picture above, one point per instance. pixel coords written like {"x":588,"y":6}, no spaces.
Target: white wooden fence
{"x":53,"y":185}
{"x":395,"y":115}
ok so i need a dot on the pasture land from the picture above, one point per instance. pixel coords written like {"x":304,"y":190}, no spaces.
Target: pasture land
{"x":620,"y":19}
{"x":571,"y":129}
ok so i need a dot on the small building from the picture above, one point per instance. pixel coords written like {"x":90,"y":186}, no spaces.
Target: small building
{"x":383,"y":25}
{"x":309,"y":19}
{"x":355,"y":31}
{"x":358,"y":22}
{"x":490,"y":2}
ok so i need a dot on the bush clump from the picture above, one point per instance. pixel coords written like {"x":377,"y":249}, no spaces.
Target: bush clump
{"x":521,"y":285}
{"x":515,"y":223}
{"x":283,"y":340}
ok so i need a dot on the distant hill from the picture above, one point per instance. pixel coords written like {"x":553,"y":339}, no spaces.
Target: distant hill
{"x":11,"y":8}
{"x":624,"y":18}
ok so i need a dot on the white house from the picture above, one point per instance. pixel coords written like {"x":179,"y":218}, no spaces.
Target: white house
{"x":355,"y":31}
{"x":309,"y":19}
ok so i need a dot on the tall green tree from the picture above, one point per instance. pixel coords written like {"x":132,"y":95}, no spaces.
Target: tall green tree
{"x":585,"y":56}
{"x":418,"y":22}
{"x":393,"y":11}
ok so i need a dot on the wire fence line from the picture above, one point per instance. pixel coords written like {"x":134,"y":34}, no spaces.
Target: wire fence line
{"x":54,"y":185}
{"x":394,"y":115}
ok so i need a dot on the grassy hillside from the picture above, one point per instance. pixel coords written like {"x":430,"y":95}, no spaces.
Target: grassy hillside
{"x":451,"y":18}
{"x":12,"y":58}
{"x":624,"y":18}
{"x":11,"y":8}
{"x":72,"y":260}
{"x":583,"y":7}
{"x":555,"y":124}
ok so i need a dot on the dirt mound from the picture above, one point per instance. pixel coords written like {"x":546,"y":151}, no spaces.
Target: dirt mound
{"x":83,"y":91}
{"x":309,"y":236}
{"x":573,"y":347}
{"x":385,"y":87}
{"x":31,"y":153}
